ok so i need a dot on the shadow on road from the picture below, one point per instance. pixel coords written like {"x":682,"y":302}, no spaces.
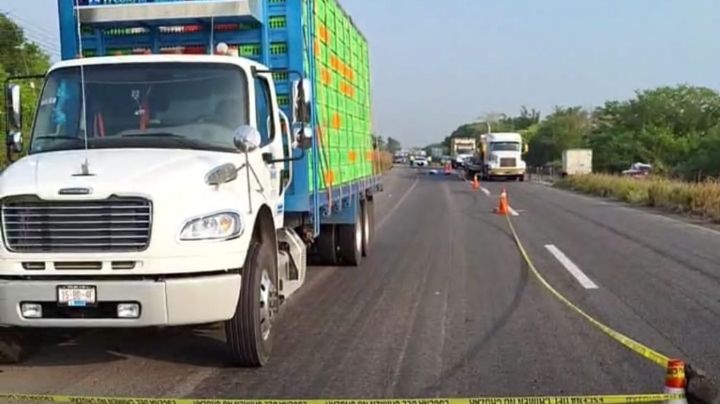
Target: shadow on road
{"x":201,"y":346}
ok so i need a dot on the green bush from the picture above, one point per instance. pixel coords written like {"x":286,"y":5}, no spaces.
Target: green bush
{"x":700,"y":199}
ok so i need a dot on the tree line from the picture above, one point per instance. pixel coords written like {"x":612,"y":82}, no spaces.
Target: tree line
{"x":676,"y":129}
{"x":391,"y":145}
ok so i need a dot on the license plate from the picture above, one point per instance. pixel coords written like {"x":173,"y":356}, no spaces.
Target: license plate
{"x":76,"y":295}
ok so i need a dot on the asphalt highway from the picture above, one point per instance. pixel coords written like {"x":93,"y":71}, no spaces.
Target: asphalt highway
{"x":445,"y":306}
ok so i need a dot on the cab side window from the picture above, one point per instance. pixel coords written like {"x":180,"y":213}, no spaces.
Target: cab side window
{"x":264,"y":111}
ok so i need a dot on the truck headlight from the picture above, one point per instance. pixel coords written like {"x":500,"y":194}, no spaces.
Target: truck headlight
{"x":217,"y":226}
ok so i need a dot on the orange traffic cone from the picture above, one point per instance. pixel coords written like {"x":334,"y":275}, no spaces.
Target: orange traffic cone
{"x":503,"y":206}
{"x":475,"y":183}
{"x":675,"y":380}
{"x":448,"y":169}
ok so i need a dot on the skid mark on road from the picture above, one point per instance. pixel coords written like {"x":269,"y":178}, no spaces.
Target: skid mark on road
{"x":584,"y":280}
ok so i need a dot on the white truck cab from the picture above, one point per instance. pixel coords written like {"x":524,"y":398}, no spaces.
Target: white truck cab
{"x":503,"y":156}
{"x":151,"y":196}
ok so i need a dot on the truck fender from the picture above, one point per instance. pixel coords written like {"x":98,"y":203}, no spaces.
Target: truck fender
{"x":264,"y":227}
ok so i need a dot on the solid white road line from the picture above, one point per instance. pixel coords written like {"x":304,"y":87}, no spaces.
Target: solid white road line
{"x":513,"y":211}
{"x":485,"y":191}
{"x":586,"y":282}
{"x":392,"y":210}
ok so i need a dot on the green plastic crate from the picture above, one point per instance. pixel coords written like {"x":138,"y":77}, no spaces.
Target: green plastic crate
{"x":347,"y":147}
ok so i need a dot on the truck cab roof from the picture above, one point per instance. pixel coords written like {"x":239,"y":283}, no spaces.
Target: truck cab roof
{"x":106,"y":60}
{"x":502,"y":137}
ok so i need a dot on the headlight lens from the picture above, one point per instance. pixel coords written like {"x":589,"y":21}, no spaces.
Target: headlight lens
{"x":212,"y":227}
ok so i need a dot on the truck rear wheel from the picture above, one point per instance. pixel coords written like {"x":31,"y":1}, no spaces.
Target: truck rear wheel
{"x":248,"y":333}
{"x":324,"y":249}
{"x":350,"y":241}
{"x":368,"y":224}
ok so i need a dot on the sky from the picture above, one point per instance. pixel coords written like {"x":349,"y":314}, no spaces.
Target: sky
{"x":438,"y":64}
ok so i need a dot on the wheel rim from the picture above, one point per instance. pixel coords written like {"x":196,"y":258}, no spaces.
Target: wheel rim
{"x":358,"y":237}
{"x":366,"y":226}
{"x":266,"y":313}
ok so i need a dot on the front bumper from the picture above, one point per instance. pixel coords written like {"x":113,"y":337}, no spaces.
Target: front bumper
{"x":506,"y":172}
{"x":173,"y":301}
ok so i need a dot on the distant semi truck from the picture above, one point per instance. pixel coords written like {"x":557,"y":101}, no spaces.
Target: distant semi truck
{"x":577,"y":162}
{"x":461,"y":149}
{"x":501,"y":157}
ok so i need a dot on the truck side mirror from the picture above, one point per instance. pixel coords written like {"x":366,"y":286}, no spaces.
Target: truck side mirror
{"x":15,"y":142}
{"x":303,"y":138}
{"x":14,"y":106}
{"x":302,"y":99}
{"x":13,"y":116}
{"x":526,"y":148}
{"x":246,"y":139}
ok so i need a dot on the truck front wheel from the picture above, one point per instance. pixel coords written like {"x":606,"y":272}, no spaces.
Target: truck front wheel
{"x":14,"y":345}
{"x":248,"y":333}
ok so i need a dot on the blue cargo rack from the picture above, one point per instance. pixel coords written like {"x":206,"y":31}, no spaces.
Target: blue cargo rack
{"x":272,"y":32}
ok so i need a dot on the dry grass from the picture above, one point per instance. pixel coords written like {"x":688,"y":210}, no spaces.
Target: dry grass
{"x":699,"y":199}
{"x":383,"y":161}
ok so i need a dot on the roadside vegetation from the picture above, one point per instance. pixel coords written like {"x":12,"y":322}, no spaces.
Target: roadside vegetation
{"x":700,"y":199}
{"x":384,"y":161}
{"x":676,"y":129}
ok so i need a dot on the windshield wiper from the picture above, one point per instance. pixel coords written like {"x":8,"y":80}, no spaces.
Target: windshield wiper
{"x":173,"y":137}
{"x":64,"y":137}
{"x":155,"y":134}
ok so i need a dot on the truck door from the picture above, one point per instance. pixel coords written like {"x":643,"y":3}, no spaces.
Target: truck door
{"x":272,"y":146}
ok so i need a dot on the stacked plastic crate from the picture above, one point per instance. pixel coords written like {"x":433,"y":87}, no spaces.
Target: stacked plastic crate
{"x":343,"y":99}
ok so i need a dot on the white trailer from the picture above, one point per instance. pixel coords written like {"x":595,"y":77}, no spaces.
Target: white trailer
{"x":577,"y":162}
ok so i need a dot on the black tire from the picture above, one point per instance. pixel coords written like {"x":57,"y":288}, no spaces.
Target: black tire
{"x":521,"y":178}
{"x":349,"y":237}
{"x":368,"y":225}
{"x":324,"y":249}
{"x":14,"y":345}
{"x":248,"y":333}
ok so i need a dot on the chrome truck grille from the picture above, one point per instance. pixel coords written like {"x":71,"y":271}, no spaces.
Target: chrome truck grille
{"x":507,"y":162}
{"x":116,"y":224}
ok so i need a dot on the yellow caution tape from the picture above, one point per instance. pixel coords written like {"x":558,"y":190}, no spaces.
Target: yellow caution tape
{"x":599,"y":399}
{"x":638,"y":348}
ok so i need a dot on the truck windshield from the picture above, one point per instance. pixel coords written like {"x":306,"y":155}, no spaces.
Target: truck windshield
{"x":505,"y":146}
{"x":465,"y":151}
{"x":141,"y":105}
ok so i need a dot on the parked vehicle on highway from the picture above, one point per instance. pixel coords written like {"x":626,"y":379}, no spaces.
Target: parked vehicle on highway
{"x":501,"y":157}
{"x":576,"y":162}
{"x":420,"y":161}
{"x":167,"y":190}
{"x":462,"y":149}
